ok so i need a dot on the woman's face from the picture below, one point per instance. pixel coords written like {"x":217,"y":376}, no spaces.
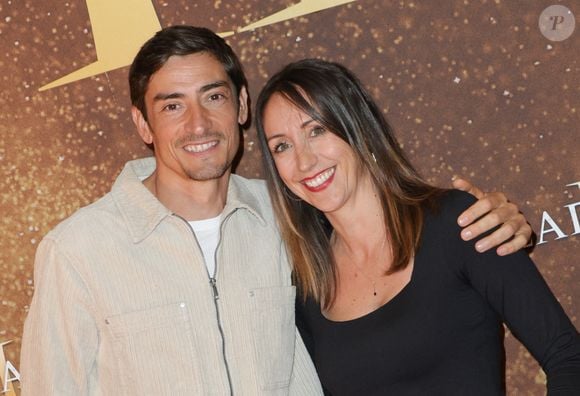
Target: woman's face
{"x":313,"y":162}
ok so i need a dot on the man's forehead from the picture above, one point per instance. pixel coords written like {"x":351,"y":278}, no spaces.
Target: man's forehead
{"x":200,"y":61}
{"x":192,"y":70}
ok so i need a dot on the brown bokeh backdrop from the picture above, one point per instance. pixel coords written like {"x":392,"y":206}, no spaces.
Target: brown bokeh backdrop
{"x":471,"y":87}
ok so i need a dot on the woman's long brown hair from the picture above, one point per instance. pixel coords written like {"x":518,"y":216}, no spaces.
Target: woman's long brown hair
{"x":333,"y":96}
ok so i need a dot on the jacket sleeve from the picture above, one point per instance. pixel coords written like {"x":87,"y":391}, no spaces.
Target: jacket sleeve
{"x":304,"y":379}
{"x":60,"y":339}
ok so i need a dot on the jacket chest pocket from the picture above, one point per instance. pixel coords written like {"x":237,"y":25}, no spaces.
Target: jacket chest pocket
{"x":154,"y":350}
{"x":274,"y":334}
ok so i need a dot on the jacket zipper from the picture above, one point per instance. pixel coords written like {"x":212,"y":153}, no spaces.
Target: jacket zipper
{"x":215,"y":295}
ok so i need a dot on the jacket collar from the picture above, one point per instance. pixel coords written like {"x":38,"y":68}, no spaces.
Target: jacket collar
{"x":142,"y":212}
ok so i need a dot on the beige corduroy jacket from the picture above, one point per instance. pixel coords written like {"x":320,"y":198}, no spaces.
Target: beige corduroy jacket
{"x":123,"y":304}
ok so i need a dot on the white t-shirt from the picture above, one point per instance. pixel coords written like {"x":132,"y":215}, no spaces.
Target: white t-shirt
{"x":207,"y":233}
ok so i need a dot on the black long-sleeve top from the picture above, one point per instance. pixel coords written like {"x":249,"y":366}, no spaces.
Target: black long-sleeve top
{"x":443,"y":333}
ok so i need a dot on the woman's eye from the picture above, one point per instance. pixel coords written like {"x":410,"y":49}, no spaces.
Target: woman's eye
{"x":280,"y":147}
{"x":316,"y":131}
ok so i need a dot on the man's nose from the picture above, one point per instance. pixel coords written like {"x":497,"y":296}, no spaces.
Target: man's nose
{"x":198,"y":119}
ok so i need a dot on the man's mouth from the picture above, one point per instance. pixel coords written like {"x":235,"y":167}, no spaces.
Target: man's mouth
{"x":200,"y":148}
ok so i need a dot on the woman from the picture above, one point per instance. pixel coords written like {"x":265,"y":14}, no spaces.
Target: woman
{"x":394,"y":301}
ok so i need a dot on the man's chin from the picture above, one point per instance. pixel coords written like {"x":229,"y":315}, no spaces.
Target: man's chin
{"x":208,"y":173}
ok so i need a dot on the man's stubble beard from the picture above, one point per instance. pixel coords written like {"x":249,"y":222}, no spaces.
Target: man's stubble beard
{"x":209,"y":173}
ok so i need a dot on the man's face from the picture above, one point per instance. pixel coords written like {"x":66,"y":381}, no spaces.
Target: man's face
{"x":193,"y":116}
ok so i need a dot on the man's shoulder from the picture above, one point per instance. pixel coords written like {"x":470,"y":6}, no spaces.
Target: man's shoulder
{"x":107,"y":213}
{"x":253,"y":193}
{"x":259,"y":185}
{"x":256,"y":187}
{"x":80,"y":224}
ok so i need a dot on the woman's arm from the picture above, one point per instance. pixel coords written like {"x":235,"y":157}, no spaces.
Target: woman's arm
{"x":516,"y":290}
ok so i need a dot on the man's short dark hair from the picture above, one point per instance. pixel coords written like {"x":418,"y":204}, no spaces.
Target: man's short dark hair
{"x":180,"y":40}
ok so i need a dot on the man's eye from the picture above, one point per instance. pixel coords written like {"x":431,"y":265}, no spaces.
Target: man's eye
{"x":216,"y":96}
{"x":280,"y":147}
{"x":171,"y":107}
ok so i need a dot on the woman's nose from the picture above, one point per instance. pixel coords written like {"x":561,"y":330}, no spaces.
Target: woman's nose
{"x":306,"y":158}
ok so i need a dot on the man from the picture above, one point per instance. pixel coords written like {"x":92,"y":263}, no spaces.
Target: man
{"x":176,"y":282}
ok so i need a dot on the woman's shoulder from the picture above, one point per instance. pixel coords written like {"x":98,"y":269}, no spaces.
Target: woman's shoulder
{"x":448,"y":205}
{"x":441,"y":228}
{"x":441,"y":244}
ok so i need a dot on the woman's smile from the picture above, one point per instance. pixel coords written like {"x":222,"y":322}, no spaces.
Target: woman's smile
{"x":320,"y":181}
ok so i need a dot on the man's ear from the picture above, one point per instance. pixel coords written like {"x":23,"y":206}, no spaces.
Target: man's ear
{"x":142,"y":125}
{"x":243,"y":106}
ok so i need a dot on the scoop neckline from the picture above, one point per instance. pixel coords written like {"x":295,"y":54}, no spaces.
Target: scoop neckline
{"x":372,"y":313}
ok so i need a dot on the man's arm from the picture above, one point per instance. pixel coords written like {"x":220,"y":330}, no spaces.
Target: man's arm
{"x":304,"y":379}
{"x":491,"y":210}
{"x":60,"y":341}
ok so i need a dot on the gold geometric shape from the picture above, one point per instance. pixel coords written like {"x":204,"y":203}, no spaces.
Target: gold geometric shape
{"x":304,"y":7}
{"x":119,"y":29}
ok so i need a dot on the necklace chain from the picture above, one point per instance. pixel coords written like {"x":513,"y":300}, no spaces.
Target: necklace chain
{"x":373,"y":281}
